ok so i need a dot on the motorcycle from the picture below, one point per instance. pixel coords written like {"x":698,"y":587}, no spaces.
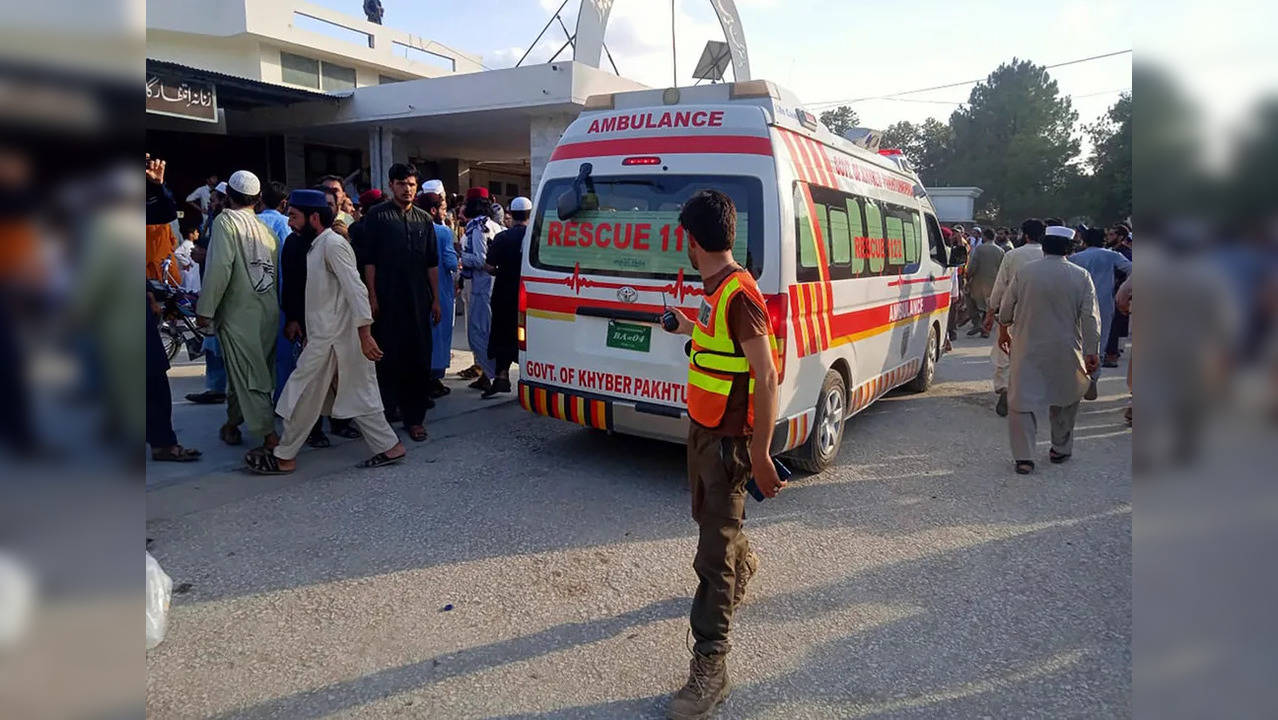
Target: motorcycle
{"x":178,"y":327}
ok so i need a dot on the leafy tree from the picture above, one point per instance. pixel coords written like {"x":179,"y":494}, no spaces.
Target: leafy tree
{"x":840,"y":119}
{"x":927,"y":145}
{"x":1014,"y":139}
{"x":1111,"y":162}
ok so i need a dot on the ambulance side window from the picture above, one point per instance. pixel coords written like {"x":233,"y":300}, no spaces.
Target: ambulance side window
{"x":876,"y":252}
{"x":808,"y":268}
{"x":840,"y":243}
{"x":857,"y":231}
{"x":935,"y":243}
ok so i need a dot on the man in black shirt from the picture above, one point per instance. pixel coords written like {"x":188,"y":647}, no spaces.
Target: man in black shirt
{"x":401,"y":270}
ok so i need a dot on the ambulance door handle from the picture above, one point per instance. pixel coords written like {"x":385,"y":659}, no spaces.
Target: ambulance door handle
{"x":619,"y":314}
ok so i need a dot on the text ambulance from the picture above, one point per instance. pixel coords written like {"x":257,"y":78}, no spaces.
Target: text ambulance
{"x":842,"y":240}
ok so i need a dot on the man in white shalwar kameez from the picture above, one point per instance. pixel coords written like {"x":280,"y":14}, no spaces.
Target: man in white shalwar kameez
{"x":1054,"y":343}
{"x":335,"y":373}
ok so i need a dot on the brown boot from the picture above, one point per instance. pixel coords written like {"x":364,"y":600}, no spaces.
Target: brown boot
{"x":707,"y":686}
{"x":745,"y":570}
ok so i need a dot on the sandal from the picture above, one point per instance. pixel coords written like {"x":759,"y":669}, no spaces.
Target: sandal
{"x":1024,"y":467}
{"x":177,"y":453}
{"x":379,"y":460}
{"x":231,"y":435}
{"x":470,"y":373}
{"x":417,"y":433}
{"x":263,"y":462}
{"x":318,"y":440}
{"x":1057,"y":457}
{"x":345,"y":430}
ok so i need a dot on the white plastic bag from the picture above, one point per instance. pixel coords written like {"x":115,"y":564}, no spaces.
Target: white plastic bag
{"x":159,"y":590}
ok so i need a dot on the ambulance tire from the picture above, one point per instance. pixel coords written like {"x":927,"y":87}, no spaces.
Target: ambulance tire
{"x":822,"y":446}
{"x":927,"y":371}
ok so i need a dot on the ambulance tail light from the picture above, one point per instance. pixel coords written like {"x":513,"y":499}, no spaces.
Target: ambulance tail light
{"x":777,"y":315}
{"x":522,"y":333}
{"x":642,"y":160}
{"x":752,"y":89}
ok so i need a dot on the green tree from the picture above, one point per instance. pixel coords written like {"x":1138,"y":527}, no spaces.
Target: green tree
{"x":840,"y":119}
{"x":1014,"y":139}
{"x":927,"y":145}
{"x":1111,"y":162}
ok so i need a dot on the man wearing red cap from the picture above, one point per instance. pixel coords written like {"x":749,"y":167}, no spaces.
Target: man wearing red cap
{"x":480,"y":231}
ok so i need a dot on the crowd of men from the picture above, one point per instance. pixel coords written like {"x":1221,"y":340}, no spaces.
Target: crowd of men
{"x":317,"y":305}
{"x":1060,"y":298}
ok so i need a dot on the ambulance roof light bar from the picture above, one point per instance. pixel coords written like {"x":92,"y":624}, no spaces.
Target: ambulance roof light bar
{"x":752,"y":89}
{"x":606,"y":101}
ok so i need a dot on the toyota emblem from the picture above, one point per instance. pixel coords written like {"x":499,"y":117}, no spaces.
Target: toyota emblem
{"x":627,"y":294}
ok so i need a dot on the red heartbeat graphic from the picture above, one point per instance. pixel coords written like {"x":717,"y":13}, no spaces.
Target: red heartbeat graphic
{"x":576,"y":282}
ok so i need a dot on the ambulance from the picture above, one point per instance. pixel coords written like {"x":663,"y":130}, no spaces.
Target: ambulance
{"x":841,"y":239}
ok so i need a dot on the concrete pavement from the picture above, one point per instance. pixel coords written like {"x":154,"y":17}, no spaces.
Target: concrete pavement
{"x":521,"y":567}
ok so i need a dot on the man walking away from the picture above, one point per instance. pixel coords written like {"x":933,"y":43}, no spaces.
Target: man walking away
{"x":335,"y":369}
{"x":270,"y":213}
{"x":1031,"y":250}
{"x":982,"y":269}
{"x":1051,"y":304}
{"x":504,"y":258}
{"x":436,"y":202}
{"x":239,"y":299}
{"x":480,"y":231}
{"x":1120,"y":241}
{"x":401,"y":271}
{"x":1102,"y":265}
{"x":732,"y":385}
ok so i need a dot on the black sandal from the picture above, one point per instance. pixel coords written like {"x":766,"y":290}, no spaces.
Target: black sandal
{"x":346,"y":430}
{"x":264,"y":462}
{"x":1056,"y":457}
{"x":417,"y":433}
{"x":379,"y":460}
{"x":318,"y":440}
{"x":1024,"y":467}
{"x":177,"y":453}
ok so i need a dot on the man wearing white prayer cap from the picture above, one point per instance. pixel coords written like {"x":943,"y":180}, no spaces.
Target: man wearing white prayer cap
{"x":1051,"y":307}
{"x":239,"y":300}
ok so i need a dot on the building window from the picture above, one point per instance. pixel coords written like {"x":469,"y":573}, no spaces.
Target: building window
{"x":494,"y":188}
{"x":338,"y":77}
{"x":299,"y":70}
{"x":512,"y":189}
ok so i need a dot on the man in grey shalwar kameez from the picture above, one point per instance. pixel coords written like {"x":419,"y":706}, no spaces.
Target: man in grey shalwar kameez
{"x":335,"y":373}
{"x":1051,"y":309}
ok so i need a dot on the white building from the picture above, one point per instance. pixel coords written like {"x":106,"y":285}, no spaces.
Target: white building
{"x":294,"y":91}
{"x":954,"y":204}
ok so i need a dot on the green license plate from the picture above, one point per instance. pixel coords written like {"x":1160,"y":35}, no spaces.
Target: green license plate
{"x":628,"y":336}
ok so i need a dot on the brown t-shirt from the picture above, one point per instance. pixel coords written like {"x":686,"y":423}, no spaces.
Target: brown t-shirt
{"x":747,"y":319}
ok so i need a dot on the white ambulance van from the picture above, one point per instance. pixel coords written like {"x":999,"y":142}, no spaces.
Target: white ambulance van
{"x":842,"y":240}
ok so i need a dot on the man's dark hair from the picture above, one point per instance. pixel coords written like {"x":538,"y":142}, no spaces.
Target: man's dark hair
{"x":430,"y":201}
{"x":274,"y":195}
{"x":239,"y":199}
{"x":520,"y":215}
{"x":1057,"y":245}
{"x":1093,"y":237}
{"x":326,"y":215}
{"x":711,"y":218}
{"x":401,"y":171}
{"x":330,"y":192}
{"x":330,"y":178}
{"x":1033,"y":229}
{"x":478,"y":207}
{"x":1123,"y":231}
{"x":192,"y":219}
{"x":1054,"y":222}
{"x":988,"y":233}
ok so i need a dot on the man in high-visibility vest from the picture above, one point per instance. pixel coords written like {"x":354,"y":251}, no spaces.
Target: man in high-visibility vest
{"x":732,"y":391}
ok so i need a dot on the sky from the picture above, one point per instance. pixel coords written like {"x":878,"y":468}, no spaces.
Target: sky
{"x":823,"y":51}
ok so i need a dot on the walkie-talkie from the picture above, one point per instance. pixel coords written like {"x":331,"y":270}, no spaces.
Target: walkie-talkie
{"x":668,"y":319}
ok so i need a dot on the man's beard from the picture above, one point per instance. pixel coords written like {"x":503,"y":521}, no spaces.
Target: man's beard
{"x":307,"y":233}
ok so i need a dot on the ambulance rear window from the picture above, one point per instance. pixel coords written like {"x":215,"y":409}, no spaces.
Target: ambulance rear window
{"x":635,"y":231}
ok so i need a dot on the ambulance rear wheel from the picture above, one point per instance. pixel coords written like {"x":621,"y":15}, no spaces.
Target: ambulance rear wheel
{"x":927,"y":372}
{"x":823,"y":443}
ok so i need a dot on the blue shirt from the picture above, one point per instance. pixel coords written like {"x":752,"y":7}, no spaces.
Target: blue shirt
{"x":277,"y":222}
{"x":1101,"y":263}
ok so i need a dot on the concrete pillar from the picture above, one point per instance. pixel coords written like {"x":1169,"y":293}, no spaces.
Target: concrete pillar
{"x":381,"y":155}
{"x":543,"y":134}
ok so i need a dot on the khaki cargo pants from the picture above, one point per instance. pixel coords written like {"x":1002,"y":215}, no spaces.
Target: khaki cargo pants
{"x":718,"y":469}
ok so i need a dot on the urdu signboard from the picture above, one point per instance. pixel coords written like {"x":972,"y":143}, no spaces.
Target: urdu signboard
{"x":177,"y":97}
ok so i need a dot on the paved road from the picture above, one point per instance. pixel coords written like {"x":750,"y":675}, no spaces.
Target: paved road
{"x":919,"y":578}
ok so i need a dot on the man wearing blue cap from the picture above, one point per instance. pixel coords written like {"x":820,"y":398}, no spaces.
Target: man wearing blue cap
{"x":335,"y":371}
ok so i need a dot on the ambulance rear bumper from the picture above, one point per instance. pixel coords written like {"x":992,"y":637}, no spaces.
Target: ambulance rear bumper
{"x":629,"y":417}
